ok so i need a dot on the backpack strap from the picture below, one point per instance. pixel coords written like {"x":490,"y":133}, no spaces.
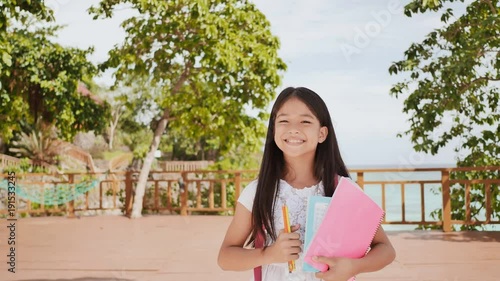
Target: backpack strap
{"x":259,"y":243}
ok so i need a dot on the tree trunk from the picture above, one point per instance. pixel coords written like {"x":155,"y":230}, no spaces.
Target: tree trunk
{"x":148,"y":161}
{"x":111,"y":133}
{"x":146,"y":166}
{"x":115,"y":117}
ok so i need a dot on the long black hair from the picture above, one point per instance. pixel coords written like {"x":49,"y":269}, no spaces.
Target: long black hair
{"x":327,"y":160}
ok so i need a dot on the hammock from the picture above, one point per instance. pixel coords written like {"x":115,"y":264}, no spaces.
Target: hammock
{"x":51,"y":195}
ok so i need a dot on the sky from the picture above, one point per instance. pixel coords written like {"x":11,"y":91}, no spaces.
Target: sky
{"x":340,"y":49}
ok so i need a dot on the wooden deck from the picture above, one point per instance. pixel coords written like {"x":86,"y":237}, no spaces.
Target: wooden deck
{"x":176,"y":248}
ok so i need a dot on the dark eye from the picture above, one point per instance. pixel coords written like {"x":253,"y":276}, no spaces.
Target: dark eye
{"x":283,"y":121}
{"x":306,"y":122}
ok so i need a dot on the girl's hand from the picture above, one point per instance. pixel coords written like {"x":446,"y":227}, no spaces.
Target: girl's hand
{"x":287,"y":246}
{"x":339,"y":269}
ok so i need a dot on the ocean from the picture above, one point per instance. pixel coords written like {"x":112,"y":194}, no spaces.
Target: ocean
{"x":412,"y":196}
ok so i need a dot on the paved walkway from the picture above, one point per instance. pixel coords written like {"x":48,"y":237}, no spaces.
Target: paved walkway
{"x":175,"y":248}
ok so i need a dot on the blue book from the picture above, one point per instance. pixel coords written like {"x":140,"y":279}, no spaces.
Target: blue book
{"x":316,"y":209}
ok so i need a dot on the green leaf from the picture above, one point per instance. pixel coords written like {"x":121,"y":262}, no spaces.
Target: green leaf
{"x":7,"y":59}
{"x":452,"y":72}
{"x":50,"y":74}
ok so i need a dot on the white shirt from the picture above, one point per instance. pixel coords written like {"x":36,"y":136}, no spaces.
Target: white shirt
{"x":296,"y":200}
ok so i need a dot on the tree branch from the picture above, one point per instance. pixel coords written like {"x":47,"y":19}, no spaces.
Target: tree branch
{"x":492,"y":8}
{"x":465,"y":87}
{"x":182,"y":78}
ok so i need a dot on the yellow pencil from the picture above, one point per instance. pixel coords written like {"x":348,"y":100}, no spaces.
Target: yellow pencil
{"x":288,"y":229}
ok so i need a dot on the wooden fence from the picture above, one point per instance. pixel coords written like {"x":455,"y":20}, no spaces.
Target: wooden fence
{"x":9,"y":161}
{"x":409,"y":196}
{"x":175,"y":166}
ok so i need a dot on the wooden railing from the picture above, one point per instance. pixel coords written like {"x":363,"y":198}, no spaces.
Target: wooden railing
{"x":177,"y":166}
{"x":78,"y":154}
{"x":440,"y":184}
{"x":6,"y":161}
{"x":408,"y":196}
{"x":10,"y":161}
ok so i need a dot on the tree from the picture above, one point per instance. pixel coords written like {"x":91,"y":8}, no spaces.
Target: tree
{"x":44,"y":82}
{"x":17,"y":10}
{"x":217,"y":125}
{"x":116,"y":113}
{"x":135,"y":105}
{"x":211,"y":61}
{"x":117,"y":109}
{"x":452,"y":84}
{"x":206,"y":141}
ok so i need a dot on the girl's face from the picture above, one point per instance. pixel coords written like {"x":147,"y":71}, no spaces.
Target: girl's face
{"x":297,"y":131}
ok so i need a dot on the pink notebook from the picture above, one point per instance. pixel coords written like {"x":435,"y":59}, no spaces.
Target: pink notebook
{"x":348,"y":226}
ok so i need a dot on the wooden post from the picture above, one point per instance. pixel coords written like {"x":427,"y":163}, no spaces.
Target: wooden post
{"x":487,"y":196}
{"x":445,"y":184}
{"x":71,"y":204}
{"x":115,"y":190}
{"x":211,"y":196}
{"x":100,"y":195}
{"x":129,"y":196}
{"x":223,"y":195}
{"x":237,"y":188}
{"x":361,"y":180}
{"x":184,"y":195}
{"x":157,"y":196}
{"x":198,"y":194}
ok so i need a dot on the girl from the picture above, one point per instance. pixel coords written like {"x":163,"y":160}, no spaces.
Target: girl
{"x":301,"y":158}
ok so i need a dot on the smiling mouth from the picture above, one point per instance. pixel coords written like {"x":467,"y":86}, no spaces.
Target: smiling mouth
{"x":294,"y":141}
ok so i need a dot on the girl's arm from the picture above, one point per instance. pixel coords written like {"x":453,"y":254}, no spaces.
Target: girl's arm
{"x":382,"y":253}
{"x":232,"y":255}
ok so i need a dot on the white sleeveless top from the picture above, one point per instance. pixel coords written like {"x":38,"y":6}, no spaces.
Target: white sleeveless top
{"x":296,"y":200}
